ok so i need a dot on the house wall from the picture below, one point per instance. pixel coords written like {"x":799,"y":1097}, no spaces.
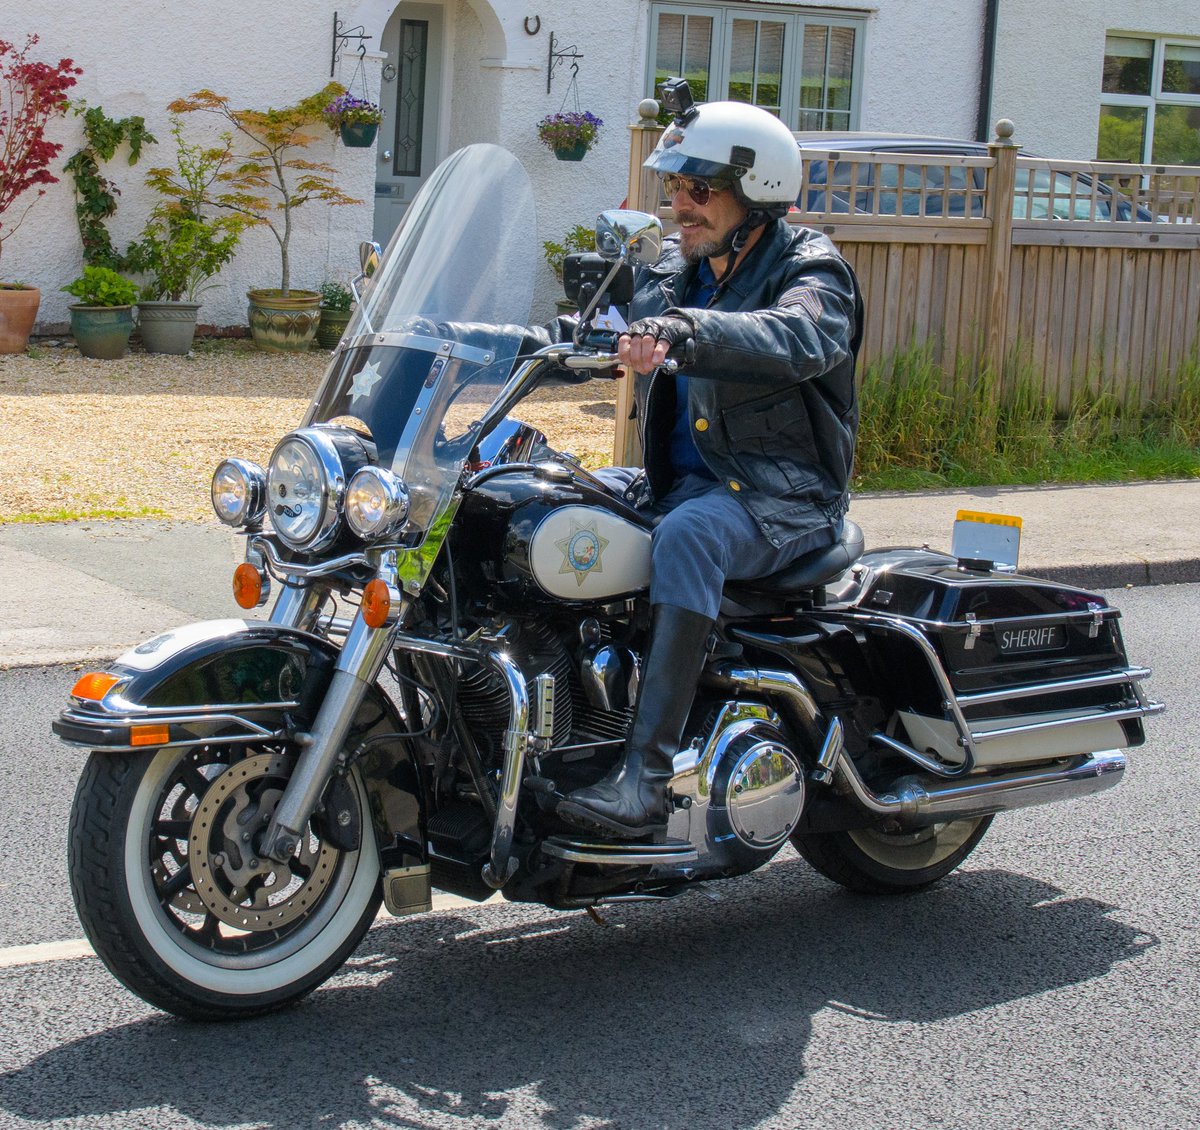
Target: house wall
{"x":920,"y":74}
{"x":139,"y":55}
{"x":1047,"y":78}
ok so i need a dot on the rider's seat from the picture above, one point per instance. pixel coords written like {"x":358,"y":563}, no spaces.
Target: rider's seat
{"x":801,"y":583}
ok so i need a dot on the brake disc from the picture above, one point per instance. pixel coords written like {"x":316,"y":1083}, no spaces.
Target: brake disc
{"x":242,"y":889}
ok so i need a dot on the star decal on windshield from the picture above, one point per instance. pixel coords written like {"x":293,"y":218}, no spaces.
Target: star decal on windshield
{"x":365,"y":379}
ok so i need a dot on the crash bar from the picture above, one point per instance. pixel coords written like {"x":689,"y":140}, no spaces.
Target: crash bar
{"x":1128,"y":675}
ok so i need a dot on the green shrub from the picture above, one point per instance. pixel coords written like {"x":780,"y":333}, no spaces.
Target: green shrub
{"x":579,"y":238}
{"x":336,"y":296}
{"x":99,"y":286}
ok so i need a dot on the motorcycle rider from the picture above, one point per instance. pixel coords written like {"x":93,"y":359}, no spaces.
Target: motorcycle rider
{"x":748,"y":449}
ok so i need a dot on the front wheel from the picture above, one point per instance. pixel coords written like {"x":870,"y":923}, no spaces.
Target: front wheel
{"x":875,"y":862}
{"x":174,"y":899}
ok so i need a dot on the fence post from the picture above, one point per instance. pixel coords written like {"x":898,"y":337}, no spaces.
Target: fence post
{"x":642,"y":196}
{"x":1001,"y":193}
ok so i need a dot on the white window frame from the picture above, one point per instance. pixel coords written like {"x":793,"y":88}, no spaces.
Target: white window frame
{"x":794,"y":20}
{"x":1157,"y":97}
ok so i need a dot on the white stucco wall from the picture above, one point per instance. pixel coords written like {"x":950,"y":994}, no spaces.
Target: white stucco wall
{"x":1048,"y":69}
{"x":139,"y":56}
{"x":921,"y":74}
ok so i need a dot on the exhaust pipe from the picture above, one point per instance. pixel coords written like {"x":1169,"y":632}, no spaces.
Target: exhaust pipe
{"x":917,"y":804}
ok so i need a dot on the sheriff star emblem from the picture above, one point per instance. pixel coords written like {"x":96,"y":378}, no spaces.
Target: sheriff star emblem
{"x":364,"y":380}
{"x":582,"y":549}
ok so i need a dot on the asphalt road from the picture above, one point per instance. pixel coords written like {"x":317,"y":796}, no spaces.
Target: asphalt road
{"x":1049,"y":983}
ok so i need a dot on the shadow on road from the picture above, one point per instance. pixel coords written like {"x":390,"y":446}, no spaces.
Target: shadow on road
{"x":680,"y":1016}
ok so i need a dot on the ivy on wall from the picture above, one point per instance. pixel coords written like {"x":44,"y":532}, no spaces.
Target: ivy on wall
{"x":95,"y":195}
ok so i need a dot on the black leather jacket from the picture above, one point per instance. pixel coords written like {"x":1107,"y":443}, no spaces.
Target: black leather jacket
{"x":771,"y":391}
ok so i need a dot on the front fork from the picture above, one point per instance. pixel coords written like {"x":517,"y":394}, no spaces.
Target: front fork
{"x":359,"y":664}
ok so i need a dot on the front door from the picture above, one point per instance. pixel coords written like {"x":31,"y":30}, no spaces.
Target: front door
{"x":409,"y":95}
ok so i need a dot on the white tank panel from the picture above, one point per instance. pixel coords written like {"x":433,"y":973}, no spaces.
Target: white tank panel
{"x":587,"y":553}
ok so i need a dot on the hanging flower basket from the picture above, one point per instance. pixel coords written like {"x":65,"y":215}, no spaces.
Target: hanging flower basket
{"x":569,"y":135}
{"x":355,"y":119}
{"x":571,"y":152}
{"x":358,"y":135}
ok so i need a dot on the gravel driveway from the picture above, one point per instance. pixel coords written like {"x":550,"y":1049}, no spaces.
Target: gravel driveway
{"x":140,"y":437}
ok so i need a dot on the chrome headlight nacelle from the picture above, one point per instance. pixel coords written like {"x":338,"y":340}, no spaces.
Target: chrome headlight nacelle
{"x":239,"y":492}
{"x":376,"y":503}
{"x":306,"y":484}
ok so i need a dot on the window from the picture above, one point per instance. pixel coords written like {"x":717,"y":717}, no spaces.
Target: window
{"x":802,"y":65}
{"x":1150,"y":101}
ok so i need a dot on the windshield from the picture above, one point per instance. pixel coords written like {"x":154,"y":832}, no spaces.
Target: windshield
{"x":434,"y":339}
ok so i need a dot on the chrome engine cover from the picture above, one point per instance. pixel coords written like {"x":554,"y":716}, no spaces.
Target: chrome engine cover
{"x":740,"y":793}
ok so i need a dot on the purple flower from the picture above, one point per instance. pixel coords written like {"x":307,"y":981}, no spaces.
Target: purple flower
{"x":566,"y":129}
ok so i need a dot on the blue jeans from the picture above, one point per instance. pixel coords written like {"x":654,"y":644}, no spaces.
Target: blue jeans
{"x":703,"y":538}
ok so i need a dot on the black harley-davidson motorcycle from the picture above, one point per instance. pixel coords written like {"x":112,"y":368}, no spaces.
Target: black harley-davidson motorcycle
{"x":455,"y":645}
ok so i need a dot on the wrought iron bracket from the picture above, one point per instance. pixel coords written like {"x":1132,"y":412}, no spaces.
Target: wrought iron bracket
{"x":341,"y":40}
{"x":557,"y":57}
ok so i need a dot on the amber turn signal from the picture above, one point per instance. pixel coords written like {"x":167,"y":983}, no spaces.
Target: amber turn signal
{"x":94,"y":685}
{"x":247,"y":585}
{"x":149,"y":735}
{"x":376,"y":603}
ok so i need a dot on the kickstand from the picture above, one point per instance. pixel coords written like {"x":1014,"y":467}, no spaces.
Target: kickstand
{"x":596,"y":916}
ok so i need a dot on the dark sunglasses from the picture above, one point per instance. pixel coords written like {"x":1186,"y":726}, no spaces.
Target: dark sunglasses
{"x":697,"y":188}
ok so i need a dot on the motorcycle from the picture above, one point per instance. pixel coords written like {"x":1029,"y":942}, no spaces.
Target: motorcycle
{"x":455,"y":645}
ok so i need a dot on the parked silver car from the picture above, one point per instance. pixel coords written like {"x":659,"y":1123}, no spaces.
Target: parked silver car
{"x":942,"y":190}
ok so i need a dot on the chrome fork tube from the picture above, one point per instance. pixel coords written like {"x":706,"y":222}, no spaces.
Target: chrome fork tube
{"x":297,"y":605}
{"x":358,"y":666}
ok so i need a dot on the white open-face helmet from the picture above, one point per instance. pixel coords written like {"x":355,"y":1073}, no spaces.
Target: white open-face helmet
{"x":732,"y":142}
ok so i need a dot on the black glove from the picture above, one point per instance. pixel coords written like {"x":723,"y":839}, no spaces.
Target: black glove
{"x":669,"y":328}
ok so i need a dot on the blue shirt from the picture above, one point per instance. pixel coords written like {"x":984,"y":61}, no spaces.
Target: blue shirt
{"x":685,"y":459}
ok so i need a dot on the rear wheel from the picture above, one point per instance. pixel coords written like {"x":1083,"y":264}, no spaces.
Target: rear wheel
{"x":177,"y":903}
{"x":875,"y":862}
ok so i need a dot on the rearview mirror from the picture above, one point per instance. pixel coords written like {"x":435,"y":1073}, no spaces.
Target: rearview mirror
{"x":369,"y":255}
{"x":631,"y":237}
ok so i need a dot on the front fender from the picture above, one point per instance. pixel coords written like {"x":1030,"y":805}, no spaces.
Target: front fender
{"x":245,"y":681}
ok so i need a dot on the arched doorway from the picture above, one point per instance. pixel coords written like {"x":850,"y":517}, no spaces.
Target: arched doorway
{"x":414,"y":39}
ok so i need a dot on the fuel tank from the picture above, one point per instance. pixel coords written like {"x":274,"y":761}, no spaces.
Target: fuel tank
{"x":543,"y":532}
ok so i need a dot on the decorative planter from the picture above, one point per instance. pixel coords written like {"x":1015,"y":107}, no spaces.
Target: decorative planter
{"x":358,"y":135}
{"x":332,"y":326}
{"x":167,"y":327}
{"x":18,"y":309}
{"x":283,"y":325}
{"x":572,"y":152}
{"x":102,"y":331}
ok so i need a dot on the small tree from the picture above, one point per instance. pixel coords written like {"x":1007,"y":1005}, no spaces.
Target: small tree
{"x":272,"y":179}
{"x":31,"y":93}
{"x":181,"y":248}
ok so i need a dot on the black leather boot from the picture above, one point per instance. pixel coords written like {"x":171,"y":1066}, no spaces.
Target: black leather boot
{"x":631,"y":802}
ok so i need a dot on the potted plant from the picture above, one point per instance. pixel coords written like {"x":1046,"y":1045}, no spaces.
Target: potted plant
{"x":579,"y":238}
{"x":180,"y":248}
{"x":570,"y":134}
{"x":337,"y":303}
{"x":265,"y":186}
{"x":31,"y":93}
{"x":355,"y":119}
{"x":102,"y":319}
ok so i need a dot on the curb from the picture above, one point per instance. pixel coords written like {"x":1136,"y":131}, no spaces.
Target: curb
{"x":1111,"y":575}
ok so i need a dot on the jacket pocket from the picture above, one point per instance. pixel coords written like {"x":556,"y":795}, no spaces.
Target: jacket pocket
{"x":778,"y":426}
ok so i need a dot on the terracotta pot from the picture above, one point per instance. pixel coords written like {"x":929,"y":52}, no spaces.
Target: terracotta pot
{"x":167,"y":327}
{"x":102,"y":331}
{"x":18,"y":310}
{"x":283,"y":325}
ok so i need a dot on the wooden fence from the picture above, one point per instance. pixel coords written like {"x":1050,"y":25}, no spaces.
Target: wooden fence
{"x":1088,"y":272}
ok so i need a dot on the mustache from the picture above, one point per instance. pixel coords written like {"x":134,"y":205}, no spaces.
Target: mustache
{"x":691,"y":218}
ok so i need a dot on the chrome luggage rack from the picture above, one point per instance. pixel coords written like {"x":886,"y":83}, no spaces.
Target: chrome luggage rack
{"x":954,"y":705}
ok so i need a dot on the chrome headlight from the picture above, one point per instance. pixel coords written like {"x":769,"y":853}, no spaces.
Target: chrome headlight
{"x":376,"y":503}
{"x":239,"y":492}
{"x":306,"y":484}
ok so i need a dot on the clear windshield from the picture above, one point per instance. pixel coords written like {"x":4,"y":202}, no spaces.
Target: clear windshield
{"x":434,"y":339}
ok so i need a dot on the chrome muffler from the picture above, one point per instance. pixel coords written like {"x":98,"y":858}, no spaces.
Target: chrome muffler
{"x":917,"y":803}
